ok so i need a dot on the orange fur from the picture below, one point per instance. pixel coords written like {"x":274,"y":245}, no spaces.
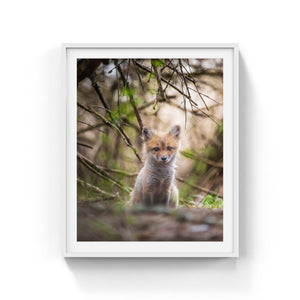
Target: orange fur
{"x":155,"y":182}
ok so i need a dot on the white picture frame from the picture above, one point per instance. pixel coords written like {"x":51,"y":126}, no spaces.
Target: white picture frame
{"x":230,"y":245}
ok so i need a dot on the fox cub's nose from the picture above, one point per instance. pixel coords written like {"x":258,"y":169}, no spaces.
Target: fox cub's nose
{"x":163,"y":158}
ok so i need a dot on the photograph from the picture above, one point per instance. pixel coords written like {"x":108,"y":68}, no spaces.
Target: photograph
{"x":150,"y":149}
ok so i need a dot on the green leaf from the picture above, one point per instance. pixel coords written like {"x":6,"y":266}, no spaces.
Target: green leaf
{"x":152,"y":91}
{"x":212,"y":201}
{"x":209,"y":152}
{"x":157,"y":63}
{"x":127,"y":91}
{"x":189,"y":154}
{"x":150,"y":76}
{"x":220,"y":128}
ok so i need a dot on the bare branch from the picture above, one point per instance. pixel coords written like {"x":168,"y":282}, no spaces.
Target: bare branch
{"x":194,"y":83}
{"x":131,"y":100}
{"x":171,"y":77}
{"x":165,"y":66}
{"x":181,"y":75}
{"x":161,"y":91}
{"x":196,"y":113}
{"x":179,"y":91}
{"x":100,"y":172}
{"x":207,"y":161}
{"x":146,"y":105}
{"x":91,"y":127}
{"x":139,"y":76}
{"x":197,"y":187}
{"x":114,"y":126}
{"x":170,"y":84}
{"x":184,"y":80}
{"x":96,"y":189}
{"x":200,"y":93}
{"x":84,"y":145}
{"x":98,"y":91}
{"x":122,"y":172}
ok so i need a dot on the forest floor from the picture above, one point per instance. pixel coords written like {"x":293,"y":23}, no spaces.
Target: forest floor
{"x":96,"y":222}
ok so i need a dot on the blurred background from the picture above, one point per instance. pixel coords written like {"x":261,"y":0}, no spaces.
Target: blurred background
{"x":116,"y":97}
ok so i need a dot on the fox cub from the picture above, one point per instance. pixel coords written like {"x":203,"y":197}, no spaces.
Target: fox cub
{"x":155,"y":182}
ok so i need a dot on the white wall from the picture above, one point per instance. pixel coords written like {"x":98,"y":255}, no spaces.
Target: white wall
{"x":33,"y":143}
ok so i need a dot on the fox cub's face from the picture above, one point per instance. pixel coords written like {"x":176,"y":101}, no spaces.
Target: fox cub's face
{"x":162,"y":146}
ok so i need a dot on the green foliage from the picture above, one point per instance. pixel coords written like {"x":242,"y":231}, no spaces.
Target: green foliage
{"x":185,"y":200}
{"x":220,"y":128}
{"x":200,"y":167}
{"x":152,"y":91}
{"x":157,"y":62}
{"x":85,"y":192}
{"x":189,"y":154}
{"x":127,"y":91}
{"x":198,"y":174}
{"x":150,"y":76}
{"x":125,"y":111}
{"x":212,"y":201}
{"x":186,"y":191}
{"x":209,"y":152}
{"x":110,"y":150}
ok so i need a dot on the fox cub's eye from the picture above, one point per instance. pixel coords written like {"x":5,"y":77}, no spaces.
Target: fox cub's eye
{"x":169,"y":148}
{"x":156,"y":149}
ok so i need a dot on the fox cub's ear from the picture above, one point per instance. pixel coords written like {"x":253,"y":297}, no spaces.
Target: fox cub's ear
{"x":175,"y":131}
{"x":146,"y":133}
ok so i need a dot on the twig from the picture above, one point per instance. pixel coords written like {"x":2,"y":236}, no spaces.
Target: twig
{"x":96,"y":189}
{"x":169,"y":80}
{"x":118,"y":89}
{"x":184,"y":80}
{"x":194,"y":82}
{"x":201,"y":114}
{"x":114,"y":126}
{"x":208,"y":72}
{"x":185,"y":109}
{"x":200,"y":188}
{"x":99,"y":106}
{"x":121,"y":172}
{"x":131,"y":100}
{"x":190,"y":79}
{"x":157,"y":76}
{"x":98,"y":91}
{"x":127,"y":123}
{"x":204,"y":159}
{"x":139,"y":76}
{"x":170,"y":84}
{"x":166,"y":81}
{"x":165,"y":66}
{"x":84,"y":145}
{"x":178,"y":90}
{"x":201,"y":96}
{"x":128,"y":68}
{"x":115,"y":67}
{"x":116,"y":62}
{"x":100,"y":172}
{"x":146,"y":105}
{"x":200,"y":93}
{"x":174,"y":87}
{"x":91,"y":127}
